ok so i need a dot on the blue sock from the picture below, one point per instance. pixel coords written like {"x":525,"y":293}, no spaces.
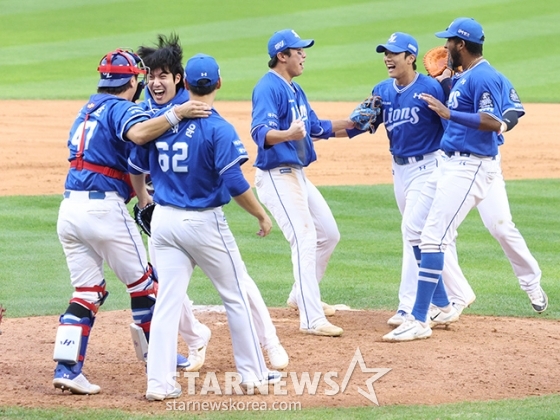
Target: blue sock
{"x":431,"y":265}
{"x":440,"y":298}
{"x":417,"y":254}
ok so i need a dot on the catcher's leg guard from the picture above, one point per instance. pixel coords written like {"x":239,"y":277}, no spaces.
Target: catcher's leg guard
{"x":70,"y":350}
{"x":142,"y":300}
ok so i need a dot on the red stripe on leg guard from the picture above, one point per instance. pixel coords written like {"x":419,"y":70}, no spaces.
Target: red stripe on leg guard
{"x":145,"y":326}
{"x":91,"y":306}
{"x":143,"y":278}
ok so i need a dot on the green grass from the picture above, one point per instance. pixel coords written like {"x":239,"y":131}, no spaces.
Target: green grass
{"x":364,"y":271}
{"x":51,"y":49}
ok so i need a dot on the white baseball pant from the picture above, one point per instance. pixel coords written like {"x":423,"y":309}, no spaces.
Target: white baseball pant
{"x":409,"y":181}
{"x":183,"y":239}
{"x":308,"y":224}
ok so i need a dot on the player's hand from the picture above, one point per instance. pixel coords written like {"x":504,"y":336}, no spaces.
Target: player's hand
{"x":447,"y":73}
{"x":266,"y":226}
{"x":435,"y":105}
{"x":193,"y":109}
{"x":297,"y":130}
{"x":145,"y":200}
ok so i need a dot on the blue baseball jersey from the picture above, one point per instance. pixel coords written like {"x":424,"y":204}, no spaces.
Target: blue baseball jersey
{"x":413,"y":128}
{"x":104,"y":142}
{"x":479,"y":89}
{"x":276,"y":104}
{"x":187,"y":161}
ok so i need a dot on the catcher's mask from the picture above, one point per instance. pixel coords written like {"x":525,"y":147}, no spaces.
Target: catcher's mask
{"x":118,"y":67}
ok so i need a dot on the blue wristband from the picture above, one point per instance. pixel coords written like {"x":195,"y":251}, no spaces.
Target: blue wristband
{"x":465,"y":118}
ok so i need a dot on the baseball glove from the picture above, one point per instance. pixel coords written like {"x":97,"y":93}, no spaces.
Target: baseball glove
{"x":143,"y":217}
{"x":365,"y":114}
{"x":436,"y":61}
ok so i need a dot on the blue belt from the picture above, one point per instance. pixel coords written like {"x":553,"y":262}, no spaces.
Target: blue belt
{"x":92,"y":195}
{"x":406,"y":160}
{"x":466,"y":154}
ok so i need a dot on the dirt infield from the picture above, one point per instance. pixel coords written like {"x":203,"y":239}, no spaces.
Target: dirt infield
{"x":478,"y":358}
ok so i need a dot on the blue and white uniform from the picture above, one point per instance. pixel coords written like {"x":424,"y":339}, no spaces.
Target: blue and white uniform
{"x":94,"y":224}
{"x":465,"y":179}
{"x":188,"y":229}
{"x":414,"y":133}
{"x":296,"y":204}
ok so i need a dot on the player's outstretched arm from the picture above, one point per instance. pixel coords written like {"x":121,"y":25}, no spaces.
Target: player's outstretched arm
{"x":146,"y":131}
{"x":248,"y":202}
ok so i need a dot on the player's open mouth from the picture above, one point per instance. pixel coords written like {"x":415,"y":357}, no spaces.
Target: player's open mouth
{"x":158,"y":93}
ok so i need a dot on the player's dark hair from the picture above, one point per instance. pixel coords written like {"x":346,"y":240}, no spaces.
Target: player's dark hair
{"x":274,"y":60}
{"x":472,"y":47}
{"x":406,"y":54}
{"x":116,"y":90}
{"x":168,"y":56}
{"x":203,"y":88}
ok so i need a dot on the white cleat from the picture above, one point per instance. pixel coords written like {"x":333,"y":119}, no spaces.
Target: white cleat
{"x":154,"y":396}
{"x":409,"y":330}
{"x":78,"y":385}
{"x":277,"y":356}
{"x":397,"y":319}
{"x":197,"y":356}
{"x":539,"y":300}
{"x":326,"y":329}
{"x":443,"y":316}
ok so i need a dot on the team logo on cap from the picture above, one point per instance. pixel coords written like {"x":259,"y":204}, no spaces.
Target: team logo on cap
{"x":279,"y":45}
{"x":392,"y":38}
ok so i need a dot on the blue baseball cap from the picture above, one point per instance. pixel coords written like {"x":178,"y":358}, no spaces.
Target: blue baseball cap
{"x":399,"y":42}
{"x":202,"y":67}
{"x":284,"y":39}
{"x":464,"y":28}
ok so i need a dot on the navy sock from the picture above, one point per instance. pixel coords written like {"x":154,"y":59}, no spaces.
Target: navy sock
{"x":431,"y":265}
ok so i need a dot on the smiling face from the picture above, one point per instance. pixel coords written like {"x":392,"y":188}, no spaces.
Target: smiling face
{"x":399,"y":66}
{"x":161,"y":84}
{"x":294,"y":62}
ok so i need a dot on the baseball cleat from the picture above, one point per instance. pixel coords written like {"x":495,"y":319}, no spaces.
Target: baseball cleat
{"x":397,"y":319}
{"x":439,"y":316}
{"x":183,"y":362}
{"x":327,"y":329}
{"x":328,"y":310}
{"x":78,"y":385}
{"x":155,"y":396}
{"x":277,"y":356}
{"x":409,"y":330}
{"x":539,"y":300}
{"x":197,"y":356}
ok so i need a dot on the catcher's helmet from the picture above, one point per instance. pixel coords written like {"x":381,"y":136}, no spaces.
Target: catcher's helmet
{"x":117,"y":68}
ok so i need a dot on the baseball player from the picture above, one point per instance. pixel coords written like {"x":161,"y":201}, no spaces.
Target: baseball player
{"x":94,"y":225}
{"x":195,"y":169}
{"x":495,"y":213}
{"x":166,"y":88}
{"x":283,"y":125}
{"x":474,"y":111}
{"x":414,"y":133}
